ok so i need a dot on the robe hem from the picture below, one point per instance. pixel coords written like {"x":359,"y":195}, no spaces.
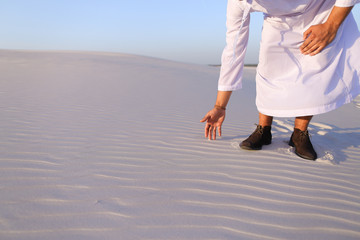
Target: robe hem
{"x":308,"y":111}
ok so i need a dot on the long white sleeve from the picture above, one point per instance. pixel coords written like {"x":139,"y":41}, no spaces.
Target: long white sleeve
{"x":237,"y":35}
{"x":346,"y":3}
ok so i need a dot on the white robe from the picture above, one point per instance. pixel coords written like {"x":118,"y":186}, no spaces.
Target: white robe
{"x":288,"y":83}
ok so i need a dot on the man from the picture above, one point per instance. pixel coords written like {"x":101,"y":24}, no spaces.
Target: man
{"x":308,"y":64}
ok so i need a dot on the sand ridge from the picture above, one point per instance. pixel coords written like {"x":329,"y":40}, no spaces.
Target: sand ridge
{"x":98,"y":146}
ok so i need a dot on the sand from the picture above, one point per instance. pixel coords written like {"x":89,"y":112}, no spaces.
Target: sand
{"x":109,"y":146}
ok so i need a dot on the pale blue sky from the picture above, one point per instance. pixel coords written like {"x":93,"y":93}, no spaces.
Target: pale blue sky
{"x":187,"y":31}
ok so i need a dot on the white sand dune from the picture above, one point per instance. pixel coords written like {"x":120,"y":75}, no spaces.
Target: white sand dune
{"x":109,"y":146}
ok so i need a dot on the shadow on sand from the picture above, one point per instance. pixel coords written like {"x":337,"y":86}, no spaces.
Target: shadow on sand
{"x":331,"y":143}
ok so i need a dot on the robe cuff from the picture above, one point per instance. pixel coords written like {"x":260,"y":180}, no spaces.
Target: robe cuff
{"x":346,"y":3}
{"x":229,"y":88}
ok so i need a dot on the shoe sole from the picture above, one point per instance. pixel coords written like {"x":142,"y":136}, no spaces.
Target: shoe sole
{"x":305,"y":157}
{"x":250,"y":148}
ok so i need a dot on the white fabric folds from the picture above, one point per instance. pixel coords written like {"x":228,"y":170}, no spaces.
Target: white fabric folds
{"x":237,"y":35}
{"x":346,"y":3}
{"x":289,"y":83}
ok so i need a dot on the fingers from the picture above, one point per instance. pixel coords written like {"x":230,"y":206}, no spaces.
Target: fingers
{"x":214,"y":120}
{"x":213,"y":130}
{"x":306,"y":38}
{"x":207,"y":126}
{"x":210,"y":132}
{"x":313,"y":51}
{"x":307,"y":45}
{"x":207,"y":130}
{"x":319,"y":49}
{"x":311,"y":41}
{"x":312,"y":48}
{"x":316,"y":38}
{"x":307,"y":33}
{"x":205,"y":118}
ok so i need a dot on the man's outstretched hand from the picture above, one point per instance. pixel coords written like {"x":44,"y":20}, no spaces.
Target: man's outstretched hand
{"x":214,"y":119}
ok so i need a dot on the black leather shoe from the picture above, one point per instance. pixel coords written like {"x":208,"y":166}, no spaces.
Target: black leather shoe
{"x":261,"y":136}
{"x":303,"y":147}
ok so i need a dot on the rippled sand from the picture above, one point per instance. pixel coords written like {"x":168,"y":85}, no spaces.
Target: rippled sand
{"x":109,"y":146}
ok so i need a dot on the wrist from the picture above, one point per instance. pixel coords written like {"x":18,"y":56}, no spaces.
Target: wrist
{"x":337,"y":16}
{"x":332,"y":25}
{"x":219,"y":107}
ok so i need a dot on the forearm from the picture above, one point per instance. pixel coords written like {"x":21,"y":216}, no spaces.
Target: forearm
{"x":223,"y":98}
{"x":338,"y":15}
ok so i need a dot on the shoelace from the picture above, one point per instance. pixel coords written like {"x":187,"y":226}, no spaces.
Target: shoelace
{"x":259,"y":129}
{"x":304,"y":135}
